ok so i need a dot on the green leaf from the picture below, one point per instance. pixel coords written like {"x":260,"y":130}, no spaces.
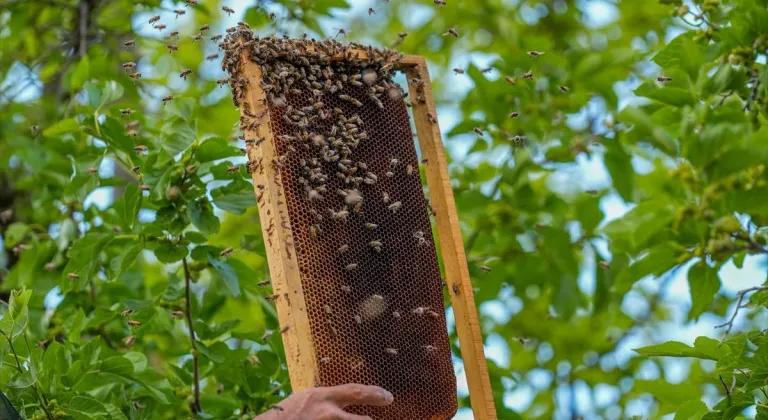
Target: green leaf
{"x":668,"y":95}
{"x":704,"y":348}
{"x":704,"y":283}
{"x":68,"y":125}
{"x":227,"y":274}
{"x":235,"y":198}
{"x":15,"y":234}
{"x":81,"y":407}
{"x":131,"y":203}
{"x":195,"y":237}
{"x":125,"y":259}
{"x":100,"y":94}
{"x":201,"y":215}
{"x":632,"y":232}
{"x":681,"y":52}
{"x":81,"y":74}
{"x":168,"y":252}
{"x":691,"y":410}
{"x":215,"y":148}
{"x":114,"y":134}
{"x":23,"y":379}
{"x":179,"y":136}
{"x":619,"y":165}
{"x":83,"y":260}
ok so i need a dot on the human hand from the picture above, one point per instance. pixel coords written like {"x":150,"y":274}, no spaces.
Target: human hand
{"x":328,"y":403}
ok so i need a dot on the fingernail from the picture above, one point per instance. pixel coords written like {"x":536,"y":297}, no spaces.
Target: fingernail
{"x":388,"y":396}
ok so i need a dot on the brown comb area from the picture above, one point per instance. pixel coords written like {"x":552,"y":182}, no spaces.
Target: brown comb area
{"x":405,"y":273}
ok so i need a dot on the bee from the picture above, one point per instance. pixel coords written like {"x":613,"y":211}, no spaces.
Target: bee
{"x":358,"y":319}
{"x":328,"y":309}
{"x":172,"y":48}
{"x":272,"y":16}
{"x":663,"y":79}
{"x":222,"y":82}
{"x":226,"y":252}
{"x":177,"y":314}
{"x":342,"y":249}
{"x":433,"y":314}
{"x":452,"y":32}
{"x":430,"y":348}
{"x":346,"y":289}
{"x":564,"y":89}
{"x":134,"y":323}
{"x":136,"y":169}
{"x":212,"y":57}
{"x":267,"y":335}
{"x":389,"y":174}
{"x":409,"y":170}
{"x":533,"y":54}
{"x":391,"y":351}
{"x":605,"y":265}
{"x":420,"y":310}
{"x":197,"y":37}
{"x":160,"y":27}
{"x":154,"y":19}
{"x":484,"y":268}
{"x":232,"y":169}
{"x":173,"y":34}
{"x":402,"y":35}
{"x":285,"y":329}
{"x":325,"y":360}
{"x":129,"y":65}
{"x":314,"y":231}
{"x":264,"y":283}
{"x":272,"y":298}
{"x":227,"y":10}
{"x":215,"y":38}
{"x":351,"y":266}
{"x":126,"y":111}
{"x":205,"y":28}
{"x":129,"y":340}
{"x":371,"y":226}
{"x":394,"y":207}
{"x":140,"y":148}
{"x":486,"y":70}
{"x":518,"y":139}
{"x":440,"y":3}
{"x":455,"y":288}
{"x":478,"y":131}
{"x":527,"y":75}
{"x":376,"y":244}
{"x":341,"y":32}
{"x":129,"y":43}
{"x":458,"y":70}
{"x":135,"y":76}
{"x":167,"y":99}
{"x":510,"y":80}
{"x":431,"y":118}
{"x":126,"y":312}
{"x":385,"y":197}
{"x":185,"y":73}
{"x":179,"y":12}
{"x":396,"y":314}
{"x":371,"y":11}
{"x":190,"y":2}
{"x":514,"y":114}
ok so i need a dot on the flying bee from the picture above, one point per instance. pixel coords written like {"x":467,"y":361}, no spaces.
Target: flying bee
{"x":663,"y":79}
{"x":452,"y":32}
{"x":391,"y":351}
{"x":167,"y":99}
{"x":394,"y":207}
{"x":272,"y":298}
{"x":605,"y":265}
{"x":177,"y":314}
{"x":458,"y":70}
{"x":197,"y":37}
{"x":371,"y":11}
{"x":227,"y":10}
{"x":160,"y":27}
{"x":222,"y":82}
{"x":126,"y":312}
{"x":351,"y":266}
{"x":185,"y":73}
{"x":341,"y":32}
{"x":172,"y":48}
{"x":484,"y":268}
{"x":486,"y":70}
{"x":154,"y":19}
{"x":128,"y":341}
{"x":527,"y":75}
{"x":216,"y":38}
{"x":518,"y":140}
{"x":134,"y":324}
{"x":129,"y":65}
{"x":478,"y":131}
{"x":205,"y":28}
{"x":564,"y":89}
{"x":533,"y":54}
{"x":140,"y":148}
{"x":126,"y":111}
{"x":440,"y":3}
{"x":264,"y":283}
{"x":226,"y":252}
{"x":135,"y":76}
{"x":510,"y":80}
{"x":285,"y":329}
{"x":173,"y":34}
{"x":212,"y":57}
{"x":190,"y":2}
{"x":129,"y":43}
{"x":514,"y":114}
{"x":179,"y":12}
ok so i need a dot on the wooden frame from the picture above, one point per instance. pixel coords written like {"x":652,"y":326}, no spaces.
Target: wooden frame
{"x":286,"y":281}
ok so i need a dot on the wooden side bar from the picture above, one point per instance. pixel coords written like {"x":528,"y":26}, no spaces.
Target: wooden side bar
{"x":451,"y":243}
{"x":278,"y":238}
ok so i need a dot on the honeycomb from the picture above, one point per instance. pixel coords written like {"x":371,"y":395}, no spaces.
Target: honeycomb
{"x":374,"y":293}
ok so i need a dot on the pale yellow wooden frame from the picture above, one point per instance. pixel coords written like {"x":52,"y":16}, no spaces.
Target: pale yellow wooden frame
{"x":286,"y":280}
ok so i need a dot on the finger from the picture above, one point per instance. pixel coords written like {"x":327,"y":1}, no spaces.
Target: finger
{"x":356,"y":394}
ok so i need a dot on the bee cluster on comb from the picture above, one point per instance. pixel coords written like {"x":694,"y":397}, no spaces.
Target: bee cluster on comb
{"x":347,"y":169}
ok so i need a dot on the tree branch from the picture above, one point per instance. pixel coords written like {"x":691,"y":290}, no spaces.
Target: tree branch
{"x":191,"y":326}
{"x":739,"y":306}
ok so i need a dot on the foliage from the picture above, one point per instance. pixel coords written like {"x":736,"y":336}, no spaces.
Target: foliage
{"x":113,"y":303}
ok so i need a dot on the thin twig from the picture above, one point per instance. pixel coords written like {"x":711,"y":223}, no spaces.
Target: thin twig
{"x":191,"y":326}
{"x":739,"y":306}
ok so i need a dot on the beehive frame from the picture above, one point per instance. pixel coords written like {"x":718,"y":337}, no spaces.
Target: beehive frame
{"x":284,"y":271}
